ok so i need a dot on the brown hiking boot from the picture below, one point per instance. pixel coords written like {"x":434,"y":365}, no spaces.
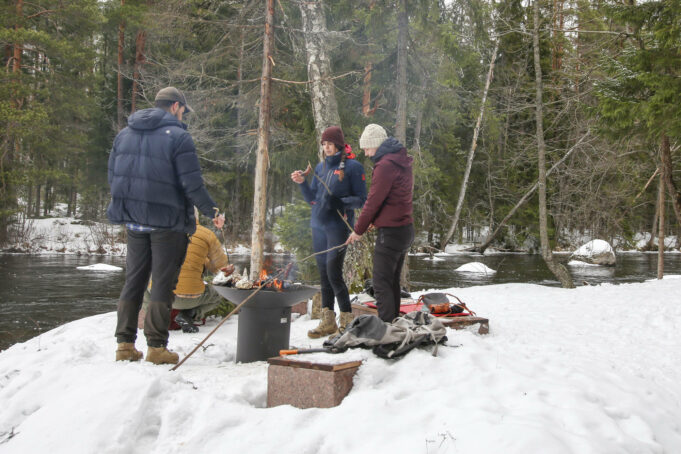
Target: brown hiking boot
{"x":161,"y":355}
{"x":127,"y":352}
{"x":345,"y":319}
{"x":326,"y":326}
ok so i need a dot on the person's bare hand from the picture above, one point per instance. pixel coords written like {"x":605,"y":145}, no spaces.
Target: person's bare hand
{"x":227,"y":270}
{"x":353,"y":238}
{"x":297,"y":176}
{"x":219,"y":221}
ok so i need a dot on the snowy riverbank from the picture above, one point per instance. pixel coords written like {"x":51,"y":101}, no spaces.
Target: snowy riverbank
{"x":68,"y":235}
{"x":588,"y":370}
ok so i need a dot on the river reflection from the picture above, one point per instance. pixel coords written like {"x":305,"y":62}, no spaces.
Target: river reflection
{"x":40,"y":292}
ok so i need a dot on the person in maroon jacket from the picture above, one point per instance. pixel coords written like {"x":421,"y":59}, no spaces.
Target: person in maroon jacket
{"x":389,"y":209}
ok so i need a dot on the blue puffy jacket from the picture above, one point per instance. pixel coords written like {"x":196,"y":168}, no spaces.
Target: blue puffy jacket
{"x":352,"y":192}
{"x":154,"y":174}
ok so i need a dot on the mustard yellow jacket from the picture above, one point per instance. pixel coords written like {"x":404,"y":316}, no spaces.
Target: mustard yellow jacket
{"x":204,"y":251}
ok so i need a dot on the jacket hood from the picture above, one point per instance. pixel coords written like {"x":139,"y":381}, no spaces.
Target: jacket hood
{"x":389,"y":146}
{"x":401,"y":159}
{"x":153,"y":118}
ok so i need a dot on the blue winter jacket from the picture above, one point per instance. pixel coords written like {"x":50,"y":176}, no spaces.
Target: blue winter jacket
{"x":154,"y":174}
{"x":352,"y":191}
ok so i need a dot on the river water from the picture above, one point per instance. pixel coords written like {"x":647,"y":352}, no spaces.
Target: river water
{"x":41,"y":292}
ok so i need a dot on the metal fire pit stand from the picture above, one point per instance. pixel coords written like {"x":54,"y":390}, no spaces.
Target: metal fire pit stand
{"x":264,"y":325}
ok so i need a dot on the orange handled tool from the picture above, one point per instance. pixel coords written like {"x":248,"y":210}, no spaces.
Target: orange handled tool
{"x":298,"y":351}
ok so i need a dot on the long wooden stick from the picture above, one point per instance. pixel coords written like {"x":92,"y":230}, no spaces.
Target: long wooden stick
{"x":324,"y":252}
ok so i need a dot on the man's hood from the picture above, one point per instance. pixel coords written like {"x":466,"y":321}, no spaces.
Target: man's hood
{"x":153,"y":118}
{"x":391,"y":149}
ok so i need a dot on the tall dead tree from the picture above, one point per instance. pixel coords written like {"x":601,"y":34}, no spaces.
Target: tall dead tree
{"x":322,"y":95}
{"x":556,"y":268}
{"x":262,"y":158}
{"x":471,"y":152}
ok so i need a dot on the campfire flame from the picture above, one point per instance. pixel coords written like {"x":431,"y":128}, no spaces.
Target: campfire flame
{"x":276,"y":284}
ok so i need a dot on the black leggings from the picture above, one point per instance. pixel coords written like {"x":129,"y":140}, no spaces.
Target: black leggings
{"x":330,"y":266}
{"x":392,"y":245}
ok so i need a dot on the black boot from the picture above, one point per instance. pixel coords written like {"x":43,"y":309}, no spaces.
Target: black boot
{"x":185,"y":319}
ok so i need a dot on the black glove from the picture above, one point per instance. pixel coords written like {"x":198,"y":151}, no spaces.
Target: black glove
{"x":336,"y":203}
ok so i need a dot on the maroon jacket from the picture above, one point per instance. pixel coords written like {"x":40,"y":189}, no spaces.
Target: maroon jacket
{"x":389,"y":202}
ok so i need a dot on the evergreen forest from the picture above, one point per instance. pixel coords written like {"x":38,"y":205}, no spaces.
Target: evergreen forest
{"x":518,"y":114}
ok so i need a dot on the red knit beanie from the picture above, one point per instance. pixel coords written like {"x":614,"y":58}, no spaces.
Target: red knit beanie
{"x":334,"y":134}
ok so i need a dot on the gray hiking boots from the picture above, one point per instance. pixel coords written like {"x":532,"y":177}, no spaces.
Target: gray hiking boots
{"x":326,"y":326}
{"x":161,"y":355}
{"x":127,"y":352}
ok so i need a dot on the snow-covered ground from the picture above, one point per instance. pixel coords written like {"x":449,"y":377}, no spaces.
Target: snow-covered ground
{"x":588,"y":370}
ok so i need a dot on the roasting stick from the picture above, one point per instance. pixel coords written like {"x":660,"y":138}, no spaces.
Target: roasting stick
{"x":236,"y":309}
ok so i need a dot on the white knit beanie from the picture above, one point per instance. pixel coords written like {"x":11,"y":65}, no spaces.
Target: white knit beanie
{"x":372,"y":137}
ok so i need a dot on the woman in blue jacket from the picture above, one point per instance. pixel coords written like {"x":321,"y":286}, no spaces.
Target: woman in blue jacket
{"x":337,"y":188}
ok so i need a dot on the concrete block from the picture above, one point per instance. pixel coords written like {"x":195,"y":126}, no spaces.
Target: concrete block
{"x":306,"y":384}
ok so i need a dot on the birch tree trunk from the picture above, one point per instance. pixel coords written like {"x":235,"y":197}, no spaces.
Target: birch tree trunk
{"x":471,"y":152}
{"x":262,"y":158}
{"x":324,"y":105}
{"x":556,"y":268}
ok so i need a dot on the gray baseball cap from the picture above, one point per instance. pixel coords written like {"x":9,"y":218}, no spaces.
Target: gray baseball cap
{"x":174,"y":95}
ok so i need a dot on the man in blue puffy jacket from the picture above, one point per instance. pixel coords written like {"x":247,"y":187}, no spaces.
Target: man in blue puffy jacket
{"x":155,"y":181}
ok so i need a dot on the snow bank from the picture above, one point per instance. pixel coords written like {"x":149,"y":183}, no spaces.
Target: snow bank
{"x":70,"y":236}
{"x":475,"y":267}
{"x":547,"y":379}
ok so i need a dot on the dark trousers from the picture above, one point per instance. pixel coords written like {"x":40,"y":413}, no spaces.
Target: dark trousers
{"x":330,"y":266}
{"x":158,"y":254}
{"x":392,"y":245}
